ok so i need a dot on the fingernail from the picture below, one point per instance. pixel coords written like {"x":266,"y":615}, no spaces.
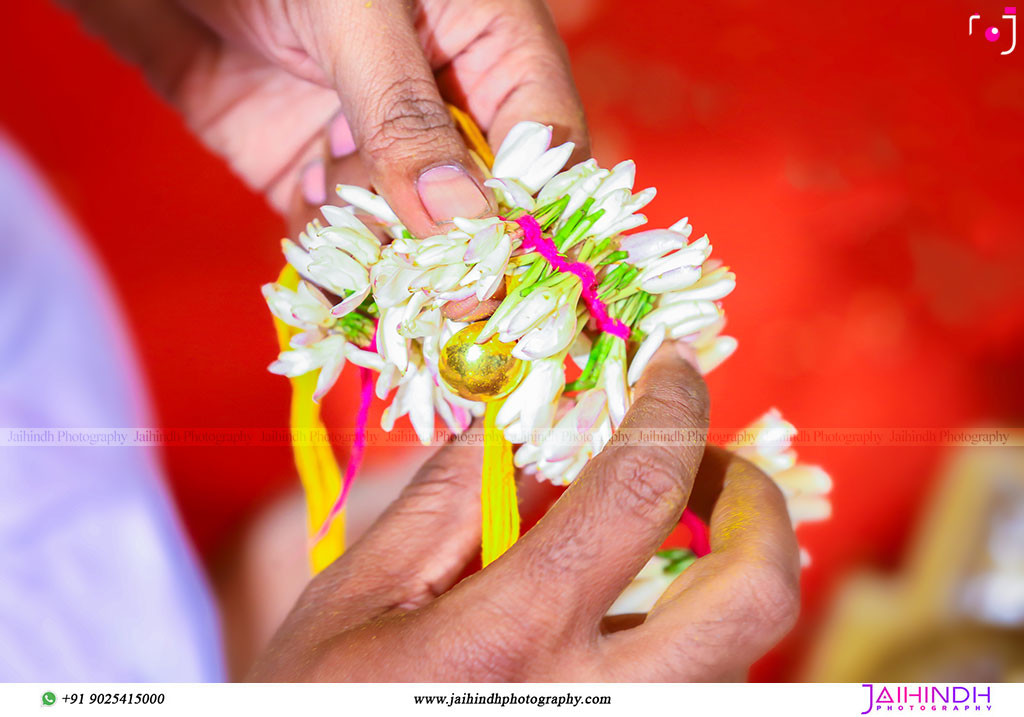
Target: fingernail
{"x":448,"y":191}
{"x":314,"y":180}
{"x":340,"y":137}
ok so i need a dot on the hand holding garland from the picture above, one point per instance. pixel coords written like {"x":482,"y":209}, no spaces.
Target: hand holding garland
{"x":387,"y":609}
{"x":301,"y":96}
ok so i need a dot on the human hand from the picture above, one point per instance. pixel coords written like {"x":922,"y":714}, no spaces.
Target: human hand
{"x":262,"y":82}
{"x":386,"y":610}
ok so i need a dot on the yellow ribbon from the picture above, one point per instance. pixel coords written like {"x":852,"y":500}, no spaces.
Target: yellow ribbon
{"x":473,"y":136}
{"x":314,"y":459}
{"x":318,"y":469}
{"x":498,"y":503}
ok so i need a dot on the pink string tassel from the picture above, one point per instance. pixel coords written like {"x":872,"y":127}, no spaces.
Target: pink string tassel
{"x":534,"y":239}
{"x":355,"y":458}
{"x":699,"y":543}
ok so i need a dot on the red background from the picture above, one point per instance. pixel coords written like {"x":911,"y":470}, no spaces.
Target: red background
{"x":859,"y":165}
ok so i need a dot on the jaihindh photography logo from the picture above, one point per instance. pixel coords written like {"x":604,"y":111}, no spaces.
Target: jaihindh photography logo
{"x":1004,"y":33}
{"x":927,"y":698}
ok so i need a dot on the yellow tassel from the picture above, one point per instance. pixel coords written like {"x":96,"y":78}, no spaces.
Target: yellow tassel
{"x":473,"y":136}
{"x":318,"y":469}
{"x":498,"y":503}
{"x":314,"y":459}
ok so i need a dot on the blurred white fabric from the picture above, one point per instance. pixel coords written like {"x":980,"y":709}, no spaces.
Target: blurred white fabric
{"x":97,"y":581}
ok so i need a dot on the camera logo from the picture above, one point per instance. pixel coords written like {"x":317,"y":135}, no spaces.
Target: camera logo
{"x":994,"y":33}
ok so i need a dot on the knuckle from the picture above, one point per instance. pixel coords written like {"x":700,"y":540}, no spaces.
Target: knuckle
{"x":437,"y":489}
{"x":770,"y":594}
{"x":413,"y":118}
{"x":688,"y":401}
{"x":762,"y":607}
{"x":436,"y":479}
{"x":495,"y":646}
{"x":650,"y":481}
{"x":559,"y":560}
{"x":676,"y":404}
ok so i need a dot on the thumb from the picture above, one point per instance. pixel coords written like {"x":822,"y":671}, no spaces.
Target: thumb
{"x":416,"y":157}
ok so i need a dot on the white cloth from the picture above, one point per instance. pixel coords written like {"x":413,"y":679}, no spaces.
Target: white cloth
{"x":97,"y":582}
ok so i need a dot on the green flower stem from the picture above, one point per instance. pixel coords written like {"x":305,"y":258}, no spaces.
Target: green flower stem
{"x":547,"y":215}
{"x":679,"y":559}
{"x":534,"y":274}
{"x":627,"y":311}
{"x":580,"y":230}
{"x":612,"y":280}
{"x":572,"y":223}
{"x":612,"y":257}
{"x":620,"y":286}
{"x":369,"y":307}
{"x":595,"y":362}
{"x":586,"y":251}
{"x":524,"y":259}
{"x":357,"y":328}
{"x":574,"y":229}
{"x":605,"y":247}
{"x":645,"y":307}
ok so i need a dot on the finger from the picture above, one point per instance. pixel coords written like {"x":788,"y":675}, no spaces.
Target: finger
{"x":322,"y":174}
{"x":335,"y":161}
{"x":470,"y":309}
{"x":421,"y":543}
{"x":729,"y":607}
{"x":416,"y":158}
{"x":161,"y":37}
{"x":580,"y":556}
{"x":707,"y":486}
{"x":350,"y":170}
{"x":526,"y":74}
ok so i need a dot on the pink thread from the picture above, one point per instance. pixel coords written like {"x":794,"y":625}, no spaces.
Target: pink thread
{"x":355,"y":458}
{"x":699,"y":542}
{"x":534,"y":239}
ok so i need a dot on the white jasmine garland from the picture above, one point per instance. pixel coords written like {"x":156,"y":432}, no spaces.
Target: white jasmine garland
{"x":328,"y":354}
{"x":322,"y":344}
{"x":620,"y":207}
{"x":415,"y":398}
{"x":524,"y":163}
{"x":648,"y":347}
{"x":552,"y":336}
{"x":380,"y":306}
{"x":337,"y":257}
{"x":563,"y":450}
{"x":304,"y":308}
{"x":714,"y":351}
{"x":543,"y":306}
{"x":614,"y":381}
{"x":578,"y":183}
{"x":610,"y":191}
{"x":421,"y":396}
{"x":531,"y":406}
{"x":469,"y":261}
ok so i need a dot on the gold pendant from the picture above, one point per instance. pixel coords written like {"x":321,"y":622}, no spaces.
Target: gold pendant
{"x":479,"y":372}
